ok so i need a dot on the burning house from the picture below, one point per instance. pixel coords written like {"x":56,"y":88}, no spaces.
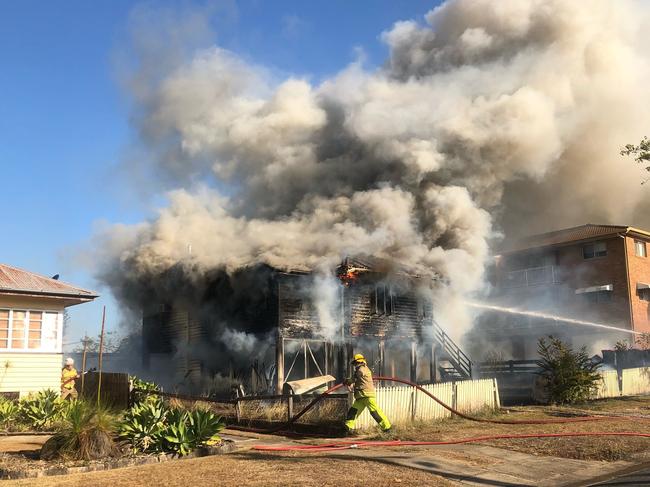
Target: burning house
{"x":475,"y":126}
{"x":588,"y":284}
{"x":278,"y":330}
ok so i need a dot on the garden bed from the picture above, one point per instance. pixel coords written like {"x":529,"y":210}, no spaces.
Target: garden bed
{"x":21,"y":465}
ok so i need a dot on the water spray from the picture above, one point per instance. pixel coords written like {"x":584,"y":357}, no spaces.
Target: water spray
{"x":547,"y":316}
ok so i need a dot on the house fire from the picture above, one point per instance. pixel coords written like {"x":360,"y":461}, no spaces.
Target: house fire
{"x":279,"y":332}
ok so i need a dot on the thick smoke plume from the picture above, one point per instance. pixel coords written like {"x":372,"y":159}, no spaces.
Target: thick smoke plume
{"x":489,"y":117}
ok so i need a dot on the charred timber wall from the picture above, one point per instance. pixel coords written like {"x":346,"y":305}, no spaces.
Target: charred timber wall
{"x":377,"y":311}
{"x":370,"y":309}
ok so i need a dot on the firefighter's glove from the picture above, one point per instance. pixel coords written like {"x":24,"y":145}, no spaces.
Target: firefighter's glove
{"x":348,"y":382}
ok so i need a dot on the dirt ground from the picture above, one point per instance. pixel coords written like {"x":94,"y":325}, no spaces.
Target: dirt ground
{"x":248,"y":469}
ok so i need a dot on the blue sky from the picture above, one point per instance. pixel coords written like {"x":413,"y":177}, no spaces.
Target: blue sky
{"x":64,"y":117}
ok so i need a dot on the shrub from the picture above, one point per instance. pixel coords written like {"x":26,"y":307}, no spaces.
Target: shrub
{"x":143,"y":426}
{"x":150,"y":427}
{"x":138,"y":385}
{"x":568,"y":376}
{"x":9,"y":411}
{"x":42,"y":410}
{"x":187,"y":431}
{"x":86,"y":433}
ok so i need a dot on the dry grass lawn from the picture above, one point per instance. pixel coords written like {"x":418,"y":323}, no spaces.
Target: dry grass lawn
{"x":248,"y":469}
{"x":583,"y":448}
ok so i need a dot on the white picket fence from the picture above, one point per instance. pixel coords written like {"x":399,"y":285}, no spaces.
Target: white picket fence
{"x":633,"y":382}
{"x":406,"y":404}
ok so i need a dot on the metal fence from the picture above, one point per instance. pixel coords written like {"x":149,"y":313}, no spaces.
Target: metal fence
{"x":630,"y":382}
{"x":406,"y":404}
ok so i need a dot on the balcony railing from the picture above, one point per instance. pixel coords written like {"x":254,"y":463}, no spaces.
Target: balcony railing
{"x":533,"y":276}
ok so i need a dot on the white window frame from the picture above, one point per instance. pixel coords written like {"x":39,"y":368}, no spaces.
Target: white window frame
{"x":25,"y":349}
{"x":640,"y":244}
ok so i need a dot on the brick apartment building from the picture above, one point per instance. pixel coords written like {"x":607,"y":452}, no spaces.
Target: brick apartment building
{"x":598,"y":273}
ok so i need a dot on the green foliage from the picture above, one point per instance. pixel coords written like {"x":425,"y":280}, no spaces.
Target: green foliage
{"x":41,"y":410}
{"x":622,"y":346}
{"x":9,"y":411}
{"x":569,"y":376}
{"x":85,"y":433}
{"x":190,"y":430}
{"x":640,"y":152}
{"x":150,"y":427}
{"x":143,"y":426}
{"x":205,"y":427}
{"x":643,"y":341}
{"x":140,"y":389}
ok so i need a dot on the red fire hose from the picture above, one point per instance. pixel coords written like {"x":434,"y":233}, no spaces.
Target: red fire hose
{"x":345,"y":445}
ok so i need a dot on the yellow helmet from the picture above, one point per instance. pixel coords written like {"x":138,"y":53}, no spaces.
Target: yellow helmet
{"x":359,"y":358}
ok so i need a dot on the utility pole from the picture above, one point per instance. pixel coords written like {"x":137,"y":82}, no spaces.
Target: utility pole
{"x":83,"y":362}
{"x":101,"y":349}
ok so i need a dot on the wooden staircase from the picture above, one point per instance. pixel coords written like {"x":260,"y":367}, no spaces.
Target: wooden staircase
{"x":453,"y":363}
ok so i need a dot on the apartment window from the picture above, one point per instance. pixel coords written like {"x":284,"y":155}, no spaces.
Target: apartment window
{"x":597,"y":249}
{"x":28,"y":330}
{"x":639,"y":248}
{"x":598,"y":297}
{"x":644,"y":294}
{"x":381,"y":300}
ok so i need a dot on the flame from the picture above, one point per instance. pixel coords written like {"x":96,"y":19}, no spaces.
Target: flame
{"x":349,"y":275}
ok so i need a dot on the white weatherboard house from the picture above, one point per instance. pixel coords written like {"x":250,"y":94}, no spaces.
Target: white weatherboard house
{"x":31,"y":329}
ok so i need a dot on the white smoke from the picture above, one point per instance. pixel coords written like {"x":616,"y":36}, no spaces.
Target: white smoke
{"x":325,"y":294}
{"x":494,"y":115}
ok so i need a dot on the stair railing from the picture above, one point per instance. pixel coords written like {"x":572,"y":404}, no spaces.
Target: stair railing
{"x":459,"y":359}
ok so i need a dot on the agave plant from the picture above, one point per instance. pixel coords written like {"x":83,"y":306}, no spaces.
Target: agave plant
{"x":143,"y":427}
{"x":187,"y":431}
{"x":42,"y":409}
{"x":178,"y":437}
{"x":205,"y":427}
{"x":9,"y":411}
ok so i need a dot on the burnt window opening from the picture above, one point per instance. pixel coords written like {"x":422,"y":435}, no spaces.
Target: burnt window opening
{"x":644,"y":294}
{"x":596,"y":249}
{"x":381,"y":300}
{"x":423,"y":308}
{"x":598,"y":297}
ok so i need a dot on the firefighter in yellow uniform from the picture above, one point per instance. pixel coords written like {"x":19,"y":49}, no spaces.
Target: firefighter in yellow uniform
{"x":364,"y":395}
{"x":68,"y":376}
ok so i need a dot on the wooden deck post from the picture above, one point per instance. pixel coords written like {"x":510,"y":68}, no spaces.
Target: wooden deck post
{"x":382,"y":368}
{"x":434,"y":370}
{"x":414,"y":361}
{"x":289,"y":406}
{"x":279,"y":364}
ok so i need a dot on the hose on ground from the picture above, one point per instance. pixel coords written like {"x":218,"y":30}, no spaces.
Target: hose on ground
{"x":345,"y":445}
{"x":316,"y":400}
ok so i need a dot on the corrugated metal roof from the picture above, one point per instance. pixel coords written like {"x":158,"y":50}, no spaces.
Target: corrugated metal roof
{"x":14,"y":280}
{"x":569,"y":235}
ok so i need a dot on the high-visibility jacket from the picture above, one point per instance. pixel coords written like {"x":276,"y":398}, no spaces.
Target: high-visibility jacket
{"x":68,"y":374}
{"x":363,"y":386}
